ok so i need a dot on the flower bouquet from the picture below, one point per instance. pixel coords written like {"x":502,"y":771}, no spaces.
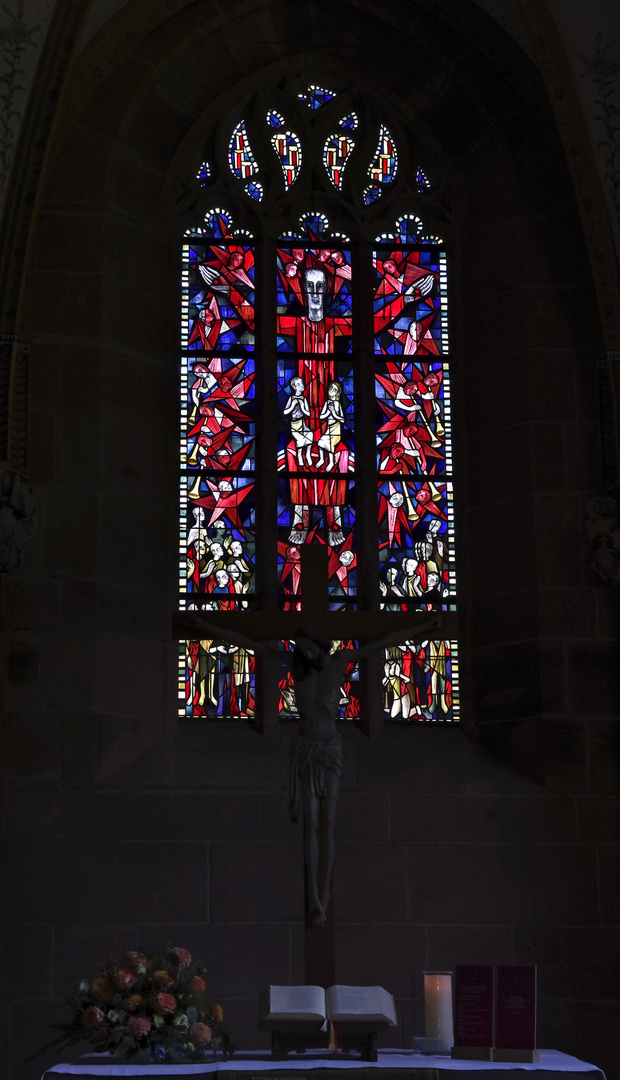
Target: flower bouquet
{"x":155,"y":1003}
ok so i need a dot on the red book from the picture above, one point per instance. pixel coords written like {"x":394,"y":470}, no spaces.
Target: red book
{"x":515,"y":1024}
{"x":473,"y":1005}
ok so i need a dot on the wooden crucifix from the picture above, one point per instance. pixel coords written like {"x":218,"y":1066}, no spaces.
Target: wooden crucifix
{"x":318,"y":674}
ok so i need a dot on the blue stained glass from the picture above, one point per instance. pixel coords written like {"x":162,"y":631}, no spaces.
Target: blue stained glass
{"x":275,"y":119}
{"x":204,"y":173}
{"x":371,"y":193}
{"x":255,"y":190}
{"x":409,"y":228}
{"x":335,"y":154}
{"x":314,"y":224}
{"x":423,"y":181}
{"x":350,"y":121}
{"x":316,"y":96}
{"x":219,"y":224}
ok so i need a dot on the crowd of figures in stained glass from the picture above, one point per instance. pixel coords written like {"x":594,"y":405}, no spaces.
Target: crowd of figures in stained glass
{"x":315,"y":386}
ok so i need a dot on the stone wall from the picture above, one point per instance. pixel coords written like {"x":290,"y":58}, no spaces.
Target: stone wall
{"x":124,"y":826}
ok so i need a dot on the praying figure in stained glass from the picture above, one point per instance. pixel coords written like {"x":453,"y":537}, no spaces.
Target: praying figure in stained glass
{"x":334,"y":417}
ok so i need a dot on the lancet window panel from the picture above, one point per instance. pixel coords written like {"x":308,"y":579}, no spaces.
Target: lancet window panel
{"x":314,"y":301}
{"x":216,"y":680}
{"x":349,"y":706}
{"x":218,"y":298}
{"x":316,"y":510}
{"x":316,"y":414}
{"x":218,"y":415}
{"x":217,"y":543}
{"x":410,"y":302}
{"x":421,"y":682}
{"x":413,"y":418}
{"x":416,"y":545}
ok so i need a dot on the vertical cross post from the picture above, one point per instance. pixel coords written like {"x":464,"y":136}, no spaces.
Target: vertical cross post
{"x":319,"y":941}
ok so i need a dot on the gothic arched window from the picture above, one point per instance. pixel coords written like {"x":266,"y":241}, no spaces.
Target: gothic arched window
{"x":316,"y":465}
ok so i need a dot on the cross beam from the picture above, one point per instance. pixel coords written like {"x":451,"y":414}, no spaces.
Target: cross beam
{"x":271,"y":624}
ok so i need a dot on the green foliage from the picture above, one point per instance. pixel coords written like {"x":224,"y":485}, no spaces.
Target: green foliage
{"x":153,"y":1001}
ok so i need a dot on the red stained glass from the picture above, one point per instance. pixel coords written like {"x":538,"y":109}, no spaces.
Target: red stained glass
{"x":407,"y":302}
{"x":411,"y":429}
{"x":218,"y":296}
{"x":314,"y":299}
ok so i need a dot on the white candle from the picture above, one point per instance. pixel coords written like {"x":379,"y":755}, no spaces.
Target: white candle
{"x":438,"y":1005}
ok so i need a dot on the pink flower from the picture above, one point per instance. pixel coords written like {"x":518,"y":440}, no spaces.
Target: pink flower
{"x":197,"y":985}
{"x":124,"y":979}
{"x":138,"y":1026}
{"x":185,"y":957}
{"x":166,"y":1002}
{"x":200,"y":1033}
{"x":92,"y":1017}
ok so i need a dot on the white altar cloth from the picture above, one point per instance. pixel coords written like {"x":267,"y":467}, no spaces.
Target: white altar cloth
{"x":254,"y":1063}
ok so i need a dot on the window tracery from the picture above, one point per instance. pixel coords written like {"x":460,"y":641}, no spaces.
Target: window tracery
{"x":316,"y":361}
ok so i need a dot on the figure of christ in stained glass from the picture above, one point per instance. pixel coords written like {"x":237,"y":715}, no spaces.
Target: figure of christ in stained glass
{"x":314,"y":299}
{"x":407,"y":301}
{"x":218,"y":413}
{"x":217,"y":543}
{"x":415,"y":545}
{"x":218,"y":295}
{"x":216,"y":680}
{"x":420,"y":682}
{"x":315,"y":509}
{"x":349,"y":705}
{"x":411,"y":432}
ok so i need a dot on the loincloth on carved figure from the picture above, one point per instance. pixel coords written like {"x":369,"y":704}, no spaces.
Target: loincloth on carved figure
{"x":316,"y":758}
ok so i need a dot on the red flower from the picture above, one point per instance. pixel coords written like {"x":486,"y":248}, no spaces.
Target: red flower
{"x":197,"y":985}
{"x":200,"y":1033}
{"x":166,"y":1003}
{"x":138,"y":1026}
{"x":185,"y":957}
{"x":124,"y":979}
{"x":92,"y":1017}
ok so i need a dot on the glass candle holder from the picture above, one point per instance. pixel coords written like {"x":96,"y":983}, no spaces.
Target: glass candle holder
{"x":433,"y":996}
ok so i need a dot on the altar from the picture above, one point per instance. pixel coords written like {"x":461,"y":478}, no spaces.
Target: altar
{"x":391,"y":1065}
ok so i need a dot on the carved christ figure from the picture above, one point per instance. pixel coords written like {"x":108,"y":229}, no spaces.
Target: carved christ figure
{"x":316,"y":765}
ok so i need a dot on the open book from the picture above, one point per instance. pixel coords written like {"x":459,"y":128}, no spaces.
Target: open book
{"x":344,"y":1004}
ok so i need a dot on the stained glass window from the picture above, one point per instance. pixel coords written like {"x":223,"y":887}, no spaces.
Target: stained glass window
{"x":242,"y":160}
{"x":279,"y":455}
{"x":315,"y":96}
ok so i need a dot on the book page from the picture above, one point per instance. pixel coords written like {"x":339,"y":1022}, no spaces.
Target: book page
{"x":296,"y":1003}
{"x":371,"y":1003}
